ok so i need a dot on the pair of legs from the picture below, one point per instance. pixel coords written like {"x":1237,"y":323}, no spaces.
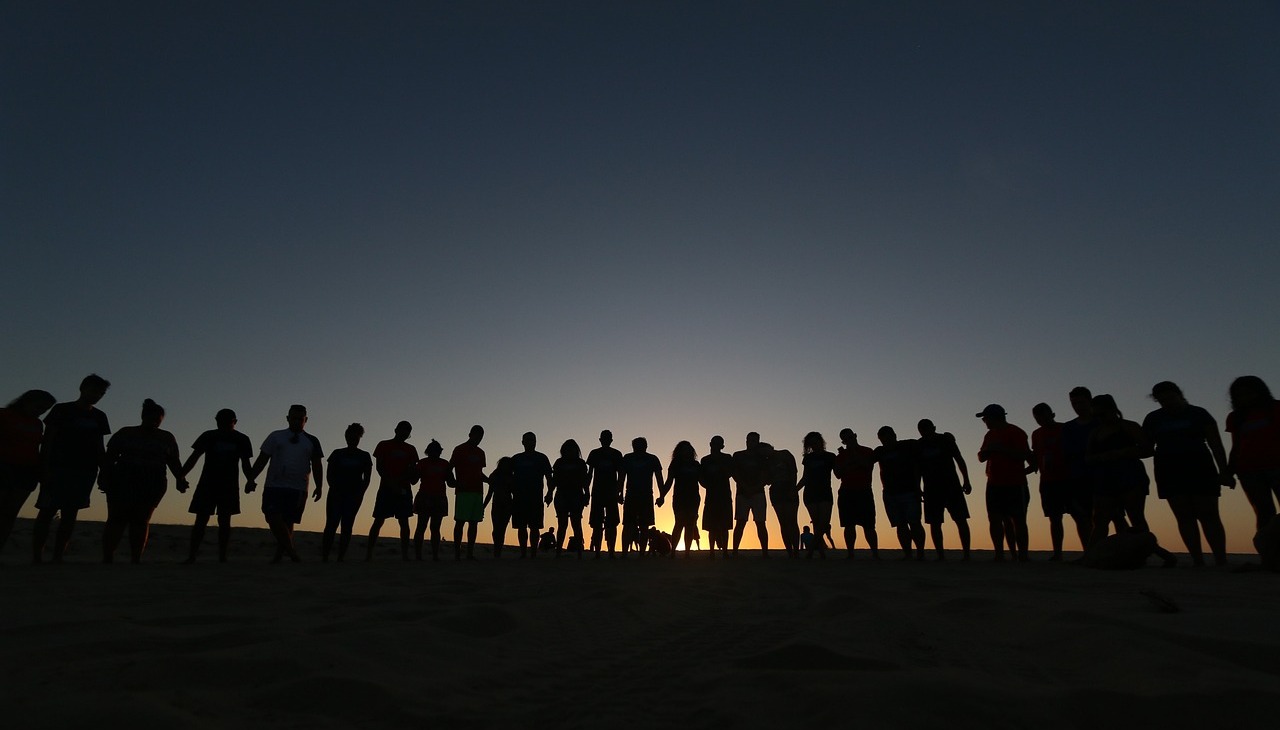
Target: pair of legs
{"x":1263,"y":491}
{"x":608,"y":531}
{"x":137,"y":521}
{"x":686,"y":525}
{"x":224,"y":537}
{"x":472,"y":528}
{"x":820,"y":517}
{"x":1013,"y":529}
{"x":12,"y":497}
{"x":1197,"y":512}
{"x":40,"y":532}
{"x":868,"y":533}
{"x":751,"y":508}
{"x":423,"y":522}
{"x":1057,"y":531}
{"x":282,"y":530}
{"x":912,"y":533}
{"x":718,"y":538}
{"x":377,"y":527}
{"x":636,"y":536}
{"x":527,"y":537}
{"x":566,"y":521}
{"x":789,"y":525}
{"x":962,"y":528}
{"x":331,"y":526}
{"x":1122,"y":509}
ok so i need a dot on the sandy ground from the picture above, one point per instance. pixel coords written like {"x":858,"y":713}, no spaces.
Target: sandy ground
{"x":639,"y":643}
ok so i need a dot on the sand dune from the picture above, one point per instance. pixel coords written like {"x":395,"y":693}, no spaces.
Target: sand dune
{"x":636,"y":643}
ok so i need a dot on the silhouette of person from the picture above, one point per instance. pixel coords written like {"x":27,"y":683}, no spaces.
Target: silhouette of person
{"x":468,"y":464}
{"x":900,"y":489}
{"x":70,"y":455}
{"x":1057,"y":491}
{"x":547,"y":541}
{"x":569,"y":482}
{"x":350,"y":471}
{"x":290,"y":456}
{"x":227,"y":454}
{"x":395,"y":460}
{"x":660,"y":543}
{"x":939,"y":457}
{"x":530,"y":470}
{"x":1126,"y":550}
{"x":1254,"y":425}
{"x":855,"y":502}
{"x":784,"y":496}
{"x":1007,"y":455}
{"x":717,"y":513}
{"x":1116,"y":450}
{"x":818,"y":466}
{"x":1190,"y":469}
{"x":1080,"y":473}
{"x":20,"y":434}
{"x":639,"y":469}
{"x":751,"y":473}
{"x":604,"y":473}
{"x":432,"y":502}
{"x":500,"y":486}
{"x":682,"y":476}
{"x":134,"y":481}
{"x":806,"y":540}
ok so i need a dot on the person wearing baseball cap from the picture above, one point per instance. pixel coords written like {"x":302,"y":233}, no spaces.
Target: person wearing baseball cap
{"x":1007,"y":455}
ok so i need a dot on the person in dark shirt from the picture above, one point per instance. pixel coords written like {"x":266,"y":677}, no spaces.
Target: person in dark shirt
{"x":639,"y":469}
{"x":133,"y":478}
{"x":855,"y":502}
{"x":569,"y":482}
{"x":1117,"y":447}
{"x":20,"y":434}
{"x":818,"y":466}
{"x":751,"y":473}
{"x":900,"y":489}
{"x":717,"y":514}
{"x":1079,"y":474}
{"x":1191,"y":469}
{"x":432,"y":503}
{"x":71,"y":453}
{"x":530,"y":469}
{"x":350,"y":471}
{"x":227,"y":454}
{"x":499,"y":495}
{"x":783,"y":495}
{"x":395,"y":460}
{"x":604,"y":467}
{"x":939,"y":458}
{"x":682,"y":476}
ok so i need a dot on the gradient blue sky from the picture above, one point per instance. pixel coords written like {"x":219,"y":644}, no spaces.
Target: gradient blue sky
{"x":669,"y":219}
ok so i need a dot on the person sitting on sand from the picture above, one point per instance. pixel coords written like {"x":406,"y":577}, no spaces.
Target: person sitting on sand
{"x":290,"y":456}
{"x":604,"y":467}
{"x":432,"y":503}
{"x":70,"y":456}
{"x":547,"y":541}
{"x":20,"y":435}
{"x":133,"y":477}
{"x":806,"y":540}
{"x":350,"y":471}
{"x":395,"y":460}
{"x":660,"y":543}
{"x":227,"y":453}
{"x":639,"y":469}
{"x":1126,"y":550}
{"x":1007,"y":454}
{"x":468,"y":464}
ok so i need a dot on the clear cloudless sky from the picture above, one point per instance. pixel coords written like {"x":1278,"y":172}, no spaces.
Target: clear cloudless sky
{"x":669,"y":219}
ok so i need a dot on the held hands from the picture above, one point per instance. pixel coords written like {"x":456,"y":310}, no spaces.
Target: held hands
{"x":183,"y":486}
{"x":1227,"y":480}
{"x":660,"y":501}
{"x":968,"y":488}
{"x":249,"y":486}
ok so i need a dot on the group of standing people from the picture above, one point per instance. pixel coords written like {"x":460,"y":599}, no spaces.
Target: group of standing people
{"x":1090,"y":469}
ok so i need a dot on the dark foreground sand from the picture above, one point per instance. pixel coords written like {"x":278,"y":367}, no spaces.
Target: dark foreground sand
{"x":639,"y":643}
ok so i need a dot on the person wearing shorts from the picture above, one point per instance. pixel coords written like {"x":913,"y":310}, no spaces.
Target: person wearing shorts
{"x":226,"y":453}
{"x":604,"y":467}
{"x":939,"y":458}
{"x":1080,"y":474}
{"x":350,"y":471}
{"x":133,"y":477}
{"x":71,"y":453}
{"x":855,"y":502}
{"x":530,"y":489}
{"x":395,"y":460}
{"x":498,"y":501}
{"x":468,"y":464}
{"x":20,"y":434}
{"x":715,"y":470}
{"x":570,"y":484}
{"x":900,"y":489}
{"x":784,"y":496}
{"x":290,"y":457}
{"x":1007,"y":454}
{"x":432,"y":503}
{"x":639,"y":469}
{"x":1254,"y":425}
{"x":751,"y":474}
{"x":1056,"y":491}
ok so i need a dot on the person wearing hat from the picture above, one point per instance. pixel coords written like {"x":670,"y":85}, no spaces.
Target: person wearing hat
{"x":227,"y":454}
{"x":1008,"y":457}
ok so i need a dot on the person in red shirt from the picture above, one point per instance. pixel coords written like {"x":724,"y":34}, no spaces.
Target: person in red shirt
{"x":856,"y":502}
{"x":468,"y":464}
{"x":1056,"y":496}
{"x":1008,"y":459}
{"x":20,"y":434}
{"x":394,"y":460}
{"x":1254,"y":425}
{"x":432,"y":503}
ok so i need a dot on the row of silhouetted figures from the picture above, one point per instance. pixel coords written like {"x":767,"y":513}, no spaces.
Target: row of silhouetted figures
{"x":1091,"y":469}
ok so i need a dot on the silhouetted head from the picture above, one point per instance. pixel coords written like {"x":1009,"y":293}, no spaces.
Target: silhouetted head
{"x":993,"y":415}
{"x":434,"y":449}
{"x":717,"y":444}
{"x":766,"y":448}
{"x":753,"y":440}
{"x":806,"y":529}
{"x":926,"y":427}
{"x":403,"y":429}
{"x":683,"y":451}
{"x":1042,"y":413}
{"x":529,"y":441}
{"x":1105,"y":408}
{"x":297,"y":417}
{"x":639,"y":444}
{"x":475,"y":435}
{"x":353,"y":434}
{"x":225,"y":419}
{"x":887,"y":435}
{"x":1249,"y":391}
{"x":1081,"y":401}
{"x":570,"y":450}
{"x":152,"y":413}
{"x":813,"y":441}
{"x":33,"y":403}
{"x":504,"y":465}
{"x":606,"y":437}
{"x":1168,"y":394}
{"x":92,"y":388}
{"x":848,"y":437}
